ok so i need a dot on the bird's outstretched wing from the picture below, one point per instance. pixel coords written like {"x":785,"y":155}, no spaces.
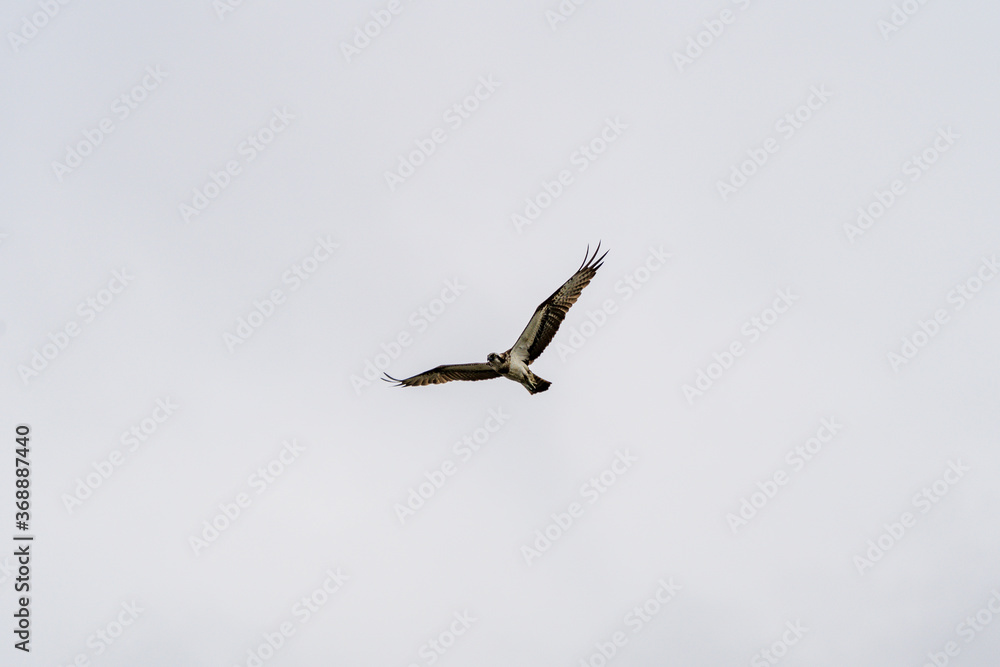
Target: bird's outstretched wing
{"x":549,"y":315}
{"x":447,"y":373}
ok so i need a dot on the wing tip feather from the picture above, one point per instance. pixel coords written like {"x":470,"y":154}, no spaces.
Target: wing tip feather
{"x":388,"y":378}
{"x":592,"y":261}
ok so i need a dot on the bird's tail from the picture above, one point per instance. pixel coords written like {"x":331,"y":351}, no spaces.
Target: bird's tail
{"x":537,"y":384}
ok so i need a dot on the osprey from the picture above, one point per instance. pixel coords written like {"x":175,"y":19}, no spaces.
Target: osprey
{"x":513,"y":364}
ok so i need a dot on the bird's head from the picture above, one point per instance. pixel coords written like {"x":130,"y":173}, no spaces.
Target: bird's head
{"x":494,"y":360}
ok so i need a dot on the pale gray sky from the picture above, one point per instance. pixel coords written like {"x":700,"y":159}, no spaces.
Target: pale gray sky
{"x":773,"y":421}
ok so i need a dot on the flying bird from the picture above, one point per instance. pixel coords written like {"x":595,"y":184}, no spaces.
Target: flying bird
{"x":513,"y":364}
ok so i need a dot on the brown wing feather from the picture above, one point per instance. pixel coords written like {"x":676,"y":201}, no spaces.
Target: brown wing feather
{"x":447,"y":373}
{"x":549,"y":315}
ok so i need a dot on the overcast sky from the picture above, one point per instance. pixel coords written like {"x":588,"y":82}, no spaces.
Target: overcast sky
{"x":771,"y":434}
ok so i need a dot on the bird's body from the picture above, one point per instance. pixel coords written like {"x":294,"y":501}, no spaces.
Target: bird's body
{"x":514,"y":368}
{"x":513,"y":364}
